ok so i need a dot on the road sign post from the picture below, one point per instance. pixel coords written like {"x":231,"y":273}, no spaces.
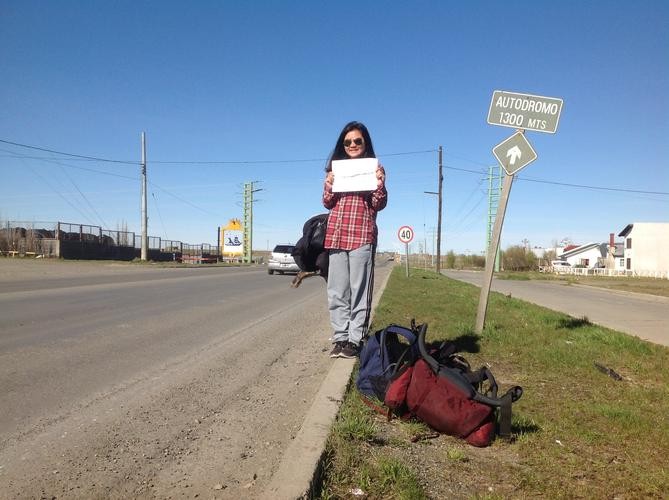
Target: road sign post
{"x":492,"y":252}
{"x":405,"y":235}
{"x":522,"y":112}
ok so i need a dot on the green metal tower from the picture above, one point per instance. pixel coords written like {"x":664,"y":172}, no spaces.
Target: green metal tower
{"x":494,"y":192}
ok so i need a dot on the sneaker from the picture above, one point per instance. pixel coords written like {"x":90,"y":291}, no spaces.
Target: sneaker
{"x":336,"y":350}
{"x":350,"y":350}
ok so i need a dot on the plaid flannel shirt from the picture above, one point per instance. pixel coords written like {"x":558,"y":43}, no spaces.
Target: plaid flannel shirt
{"x":352,"y":221}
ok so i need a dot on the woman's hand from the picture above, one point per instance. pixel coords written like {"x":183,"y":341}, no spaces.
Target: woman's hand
{"x":329,"y":179}
{"x":380,"y":178}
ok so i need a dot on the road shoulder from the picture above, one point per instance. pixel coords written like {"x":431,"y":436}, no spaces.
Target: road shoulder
{"x":298,"y":472}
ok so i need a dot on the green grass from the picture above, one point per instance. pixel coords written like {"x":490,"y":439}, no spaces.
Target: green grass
{"x":376,"y":474}
{"x":578,"y":432}
{"x":651,"y":286}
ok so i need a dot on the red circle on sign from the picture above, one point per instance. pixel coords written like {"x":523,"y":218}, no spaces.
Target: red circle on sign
{"x":405,"y":234}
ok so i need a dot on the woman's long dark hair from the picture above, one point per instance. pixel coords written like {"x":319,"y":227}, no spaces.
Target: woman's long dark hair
{"x":340,"y":154}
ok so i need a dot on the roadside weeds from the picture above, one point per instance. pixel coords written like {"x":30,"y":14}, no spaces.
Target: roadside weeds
{"x":578,"y":431}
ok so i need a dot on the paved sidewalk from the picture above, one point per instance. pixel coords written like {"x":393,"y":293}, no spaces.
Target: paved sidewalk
{"x":642,"y":315}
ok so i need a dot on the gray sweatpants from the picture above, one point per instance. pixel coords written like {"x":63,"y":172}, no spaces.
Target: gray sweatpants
{"x":350,"y":285}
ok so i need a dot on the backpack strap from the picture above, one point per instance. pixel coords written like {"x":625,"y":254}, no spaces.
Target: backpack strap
{"x":481,"y":375}
{"x":407,"y":333}
{"x":383,"y":410}
{"x":511,"y":396}
{"x":505,"y":416}
{"x":454,"y":375}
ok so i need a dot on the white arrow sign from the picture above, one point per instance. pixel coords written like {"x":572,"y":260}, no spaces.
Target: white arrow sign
{"x":514,"y":153}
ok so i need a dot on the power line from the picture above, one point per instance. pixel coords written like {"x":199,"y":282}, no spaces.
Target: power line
{"x":13,"y":154}
{"x":471,"y":195}
{"x":183,"y":200}
{"x":68,"y":154}
{"x":261,"y":162}
{"x":57,"y":162}
{"x":60,"y":194}
{"x":477,"y":172}
{"x":602,"y":188}
{"x":104,"y":224}
{"x":232,"y":162}
{"x":192,"y":162}
{"x":303,"y":160}
{"x":583,"y":186}
{"x":159,"y":216}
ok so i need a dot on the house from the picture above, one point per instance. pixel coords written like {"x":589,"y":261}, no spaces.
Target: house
{"x":646,"y":247}
{"x":615,"y":258}
{"x":590,"y":255}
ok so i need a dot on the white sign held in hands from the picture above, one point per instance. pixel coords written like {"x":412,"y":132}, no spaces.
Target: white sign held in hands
{"x":354,"y":175}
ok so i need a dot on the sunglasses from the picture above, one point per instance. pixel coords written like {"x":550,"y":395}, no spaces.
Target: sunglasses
{"x":358,"y":141}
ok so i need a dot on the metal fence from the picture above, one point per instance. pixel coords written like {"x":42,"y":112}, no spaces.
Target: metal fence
{"x":27,"y":238}
{"x":83,"y":241}
{"x":584,"y":271}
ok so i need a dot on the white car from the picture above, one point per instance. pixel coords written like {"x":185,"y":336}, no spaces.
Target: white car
{"x":282,"y":260}
{"x":560,"y":266}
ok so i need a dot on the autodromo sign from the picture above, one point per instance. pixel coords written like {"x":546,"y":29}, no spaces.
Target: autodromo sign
{"x":525,"y":111}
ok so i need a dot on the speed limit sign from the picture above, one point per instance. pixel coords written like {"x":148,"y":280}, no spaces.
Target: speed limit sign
{"x":405,"y":234}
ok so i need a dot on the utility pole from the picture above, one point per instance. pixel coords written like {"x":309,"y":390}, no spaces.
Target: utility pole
{"x":145,"y":219}
{"x":493,"y":202}
{"x":248,"y":221}
{"x":441,"y":182}
{"x":439,"y":196}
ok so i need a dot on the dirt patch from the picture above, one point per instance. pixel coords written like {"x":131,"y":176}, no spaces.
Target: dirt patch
{"x":447,"y":467}
{"x":19,"y":269}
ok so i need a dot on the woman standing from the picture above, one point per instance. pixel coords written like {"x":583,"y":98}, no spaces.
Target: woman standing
{"x":351,"y":241}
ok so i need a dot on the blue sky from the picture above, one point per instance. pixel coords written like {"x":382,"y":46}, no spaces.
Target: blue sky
{"x":259,"y":90}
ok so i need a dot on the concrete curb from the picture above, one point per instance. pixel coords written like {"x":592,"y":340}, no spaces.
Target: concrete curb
{"x":298,"y":475}
{"x":647,"y":296}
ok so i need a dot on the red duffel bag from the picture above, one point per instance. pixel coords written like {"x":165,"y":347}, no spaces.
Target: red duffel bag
{"x":447,"y":395}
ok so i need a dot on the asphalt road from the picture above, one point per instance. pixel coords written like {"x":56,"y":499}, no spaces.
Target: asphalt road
{"x":133,"y":381}
{"x":645,"y":316}
{"x":65,"y":338}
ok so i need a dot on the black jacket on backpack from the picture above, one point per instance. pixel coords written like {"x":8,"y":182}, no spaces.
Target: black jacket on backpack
{"x":309,"y":253}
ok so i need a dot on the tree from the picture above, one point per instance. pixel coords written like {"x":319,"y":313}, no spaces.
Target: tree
{"x":519,"y":258}
{"x":549,"y":256}
{"x":450,"y":259}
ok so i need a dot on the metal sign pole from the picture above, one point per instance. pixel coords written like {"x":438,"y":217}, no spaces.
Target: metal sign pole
{"x":405,"y":235}
{"x":492,"y":252}
{"x":406,"y":257}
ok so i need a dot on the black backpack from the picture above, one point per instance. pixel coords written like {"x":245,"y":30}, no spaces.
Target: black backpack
{"x":383,"y":356}
{"x":309,"y":252}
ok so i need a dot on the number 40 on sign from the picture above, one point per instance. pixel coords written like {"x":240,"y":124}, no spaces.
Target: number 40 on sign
{"x":405,"y":234}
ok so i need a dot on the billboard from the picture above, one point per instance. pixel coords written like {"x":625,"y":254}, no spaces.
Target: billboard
{"x":232,"y":241}
{"x":232,"y":238}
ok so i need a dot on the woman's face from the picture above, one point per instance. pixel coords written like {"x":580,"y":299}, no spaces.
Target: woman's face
{"x":354,"y":144}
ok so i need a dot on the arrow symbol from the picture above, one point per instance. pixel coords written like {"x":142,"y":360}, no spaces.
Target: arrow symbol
{"x":514,"y":153}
